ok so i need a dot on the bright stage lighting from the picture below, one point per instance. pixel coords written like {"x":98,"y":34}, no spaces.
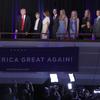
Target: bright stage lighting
{"x":70,"y":86}
{"x":97,"y":91}
{"x":71,"y":77}
{"x":53,"y":78}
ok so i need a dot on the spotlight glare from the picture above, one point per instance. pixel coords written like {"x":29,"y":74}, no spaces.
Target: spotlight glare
{"x":70,"y":86}
{"x":71,"y":77}
{"x":53,"y":78}
{"x":96,"y":91}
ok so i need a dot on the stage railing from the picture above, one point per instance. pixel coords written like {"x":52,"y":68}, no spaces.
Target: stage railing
{"x":8,"y":35}
{"x":37,"y":36}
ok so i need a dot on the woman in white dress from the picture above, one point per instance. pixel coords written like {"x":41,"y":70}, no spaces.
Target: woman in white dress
{"x":45,"y":25}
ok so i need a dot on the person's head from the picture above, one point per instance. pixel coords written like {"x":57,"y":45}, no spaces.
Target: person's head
{"x":23,"y":11}
{"x":54,"y":11}
{"x":37,"y":15}
{"x":27,"y":84}
{"x":46,"y":13}
{"x":87,"y":13}
{"x":98,"y":13}
{"x":74,"y":14}
{"x":56,"y":87}
{"x":62,"y":12}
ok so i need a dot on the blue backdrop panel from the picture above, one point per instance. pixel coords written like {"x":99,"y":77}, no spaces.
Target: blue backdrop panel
{"x":39,"y":59}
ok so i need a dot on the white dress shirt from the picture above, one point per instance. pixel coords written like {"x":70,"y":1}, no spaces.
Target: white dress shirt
{"x":54,"y":17}
{"x":24,"y":17}
{"x":98,"y":18}
{"x":36,"y":24}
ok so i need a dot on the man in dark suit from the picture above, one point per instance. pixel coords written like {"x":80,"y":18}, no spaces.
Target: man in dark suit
{"x":38,"y":23}
{"x":23,"y":22}
{"x":55,"y":23}
{"x":96,"y":28}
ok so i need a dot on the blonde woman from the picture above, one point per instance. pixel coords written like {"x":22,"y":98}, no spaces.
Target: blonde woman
{"x":63,"y":24}
{"x":86,"y":22}
{"x":74,"y":24}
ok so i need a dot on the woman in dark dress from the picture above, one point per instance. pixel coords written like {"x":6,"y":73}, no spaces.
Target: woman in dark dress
{"x":86,"y":22}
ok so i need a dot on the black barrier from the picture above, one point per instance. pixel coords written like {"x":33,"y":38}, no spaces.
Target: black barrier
{"x":19,"y":36}
{"x":39,"y":59}
{"x":14,"y":36}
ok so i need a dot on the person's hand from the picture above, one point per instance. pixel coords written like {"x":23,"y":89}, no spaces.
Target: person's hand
{"x":82,"y":26}
{"x":26,"y":33}
{"x":16,"y":31}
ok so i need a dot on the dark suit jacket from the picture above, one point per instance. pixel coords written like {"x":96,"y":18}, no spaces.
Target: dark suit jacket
{"x":55,"y":25}
{"x":26,"y":26}
{"x":39,"y":28}
{"x":96,"y":28}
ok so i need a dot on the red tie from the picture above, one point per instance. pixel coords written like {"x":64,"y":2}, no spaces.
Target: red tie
{"x":22,"y":24}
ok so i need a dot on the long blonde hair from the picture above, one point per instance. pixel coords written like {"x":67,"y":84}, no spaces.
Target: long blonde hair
{"x":88,"y":14}
{"x":62,"y":14}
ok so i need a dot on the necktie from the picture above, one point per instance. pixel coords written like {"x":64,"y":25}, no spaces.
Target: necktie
{"x":22,"y":24}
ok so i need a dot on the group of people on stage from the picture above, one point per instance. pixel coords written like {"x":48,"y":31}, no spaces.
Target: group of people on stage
{"x":62,"y":26}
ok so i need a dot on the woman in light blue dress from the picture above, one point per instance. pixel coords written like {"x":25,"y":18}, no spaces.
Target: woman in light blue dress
{"x":63,"y":24}
{"x":74,"y":25}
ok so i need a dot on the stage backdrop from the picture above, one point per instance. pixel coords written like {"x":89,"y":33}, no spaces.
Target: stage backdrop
{"x":50,"y":59}
{"x":9,"y":9}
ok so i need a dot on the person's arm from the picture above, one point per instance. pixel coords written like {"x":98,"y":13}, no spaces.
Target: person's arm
{"x":48,"y":23}
{"x":57,"y":23}
{"x":83,"y":25}
{"x":66,"y":23}
{"x":88,"y":24}
{"x":29,"y":24}
{"x":78,"y":22}
{"x":17,"y":25}
{"x":40,"y":26}
{"x":47,"y":27}
{"x":93,"y":27}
